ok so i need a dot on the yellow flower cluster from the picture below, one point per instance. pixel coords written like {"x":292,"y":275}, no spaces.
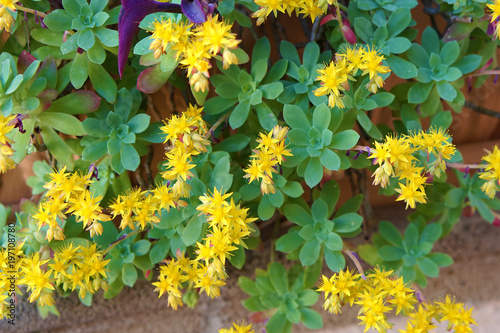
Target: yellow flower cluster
{"x":186,"y":137}
{"x":376,"y":294}
{"x":270,"y":153}
{"x":138,"y":208}
{"x":6,"y":19}
{"x":491,"y":173}
{"x":172,"y":276}
{"x":396,"y":158}
{"x":81,"y":267}
{"x":312,"y":8}
{"x":6,"y":151}
{"x":237,"y":328}
{"x":459,"y":319}
{"x":228,"y":224}
{"x":380,"y":292}
{"x":334,"y":77}
{"x":495,"y":13}
{"x":195,"y":46}
{"x":68,"y":194}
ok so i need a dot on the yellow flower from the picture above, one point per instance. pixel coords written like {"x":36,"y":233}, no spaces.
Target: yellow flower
{"x":354,"y":56}
{"x":372,"y":63}
{"x":165,"y":198}
{"x":228,"y":59}
{"x":495,"y":10}
{"x":35,"y":278}
{"x":395,"y":158}
{"x":271,"y":6}
{"x":341,"y":284}
{"x":170,"y":281}
{"x":238,"y":328}
{"x":266,"y":141}
{"x":216,"y":35}
{"x":421,"y":319}
{"x":183,"y":33}
{"x":221,"y":244}
{"x":311,"y":8}
{"x":402,"y":297}
{"x":253,"y":172}
{"x":209,"y":284}
{"x":411,"y":194}
{"x":267,"y":156}
{"x":260,"y":15}
{"x":144,"y":213}
{"x":491,"y":172}
{"x":199,"y":81}
{"x":177,"y":126}
{"x":6,"y":161}
{"x":331,"y":80}
{"x":164,"y":33}
{"x":178,"y":165}
{"x":212,"y":201}
{"x":9,"y":3}
{"x":86,"y":208}
{"x":196,"y":57}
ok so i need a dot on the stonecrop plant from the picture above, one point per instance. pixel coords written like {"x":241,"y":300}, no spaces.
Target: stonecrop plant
{"x":255,"y":132}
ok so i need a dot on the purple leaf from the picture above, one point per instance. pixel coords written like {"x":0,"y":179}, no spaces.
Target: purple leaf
{"x":193,"y":10}
{"x":25,"y":59}
{"x":46,"y":97}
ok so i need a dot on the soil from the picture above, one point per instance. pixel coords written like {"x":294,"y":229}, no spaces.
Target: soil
{"x":474,"y":278}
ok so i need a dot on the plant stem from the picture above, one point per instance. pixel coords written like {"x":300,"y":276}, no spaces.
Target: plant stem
{"x":217,"y":124}
{"x":133,"y":233}
{"x":355,"y":260}
{"x":29,"y":10}
{"x":339,"y":17}
{"x":488,"y":72}
{"x":460,"y":166}
{"x":341,"y":6}
{"x":480,"y":109}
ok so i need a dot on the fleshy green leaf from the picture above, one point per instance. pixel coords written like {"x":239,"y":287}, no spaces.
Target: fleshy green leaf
{"x":102,"y":82}
{"x":298,"y":215}
{"x":335,"y":260}
{"x":344,"y":140}
{"x":129,"y":274}
{"x":193,"y":229}
{"x":310,"y":252}
{"x":295,"y":117}
{"x":311,"y":318}
{"x":428,"y":267}
{"x":58,"y":20}
{"x":289,"y":242}
{"x":402,"y":68}
{"x":321,"y":117}
{"x":129,"y":157}
{"x":314,"y":172}
{"x":390,"y":233}
{"x":159,"y":250}
{"x":62,"y":122}
{"x":278,"y":277}
{"x":57,"y":146}
{"x":239,"y":114}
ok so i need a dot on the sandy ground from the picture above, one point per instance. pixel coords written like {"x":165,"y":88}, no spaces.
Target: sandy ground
{"x":474,"y":278}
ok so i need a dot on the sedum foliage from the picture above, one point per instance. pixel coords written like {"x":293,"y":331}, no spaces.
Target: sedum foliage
{"x":251,"y":162}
